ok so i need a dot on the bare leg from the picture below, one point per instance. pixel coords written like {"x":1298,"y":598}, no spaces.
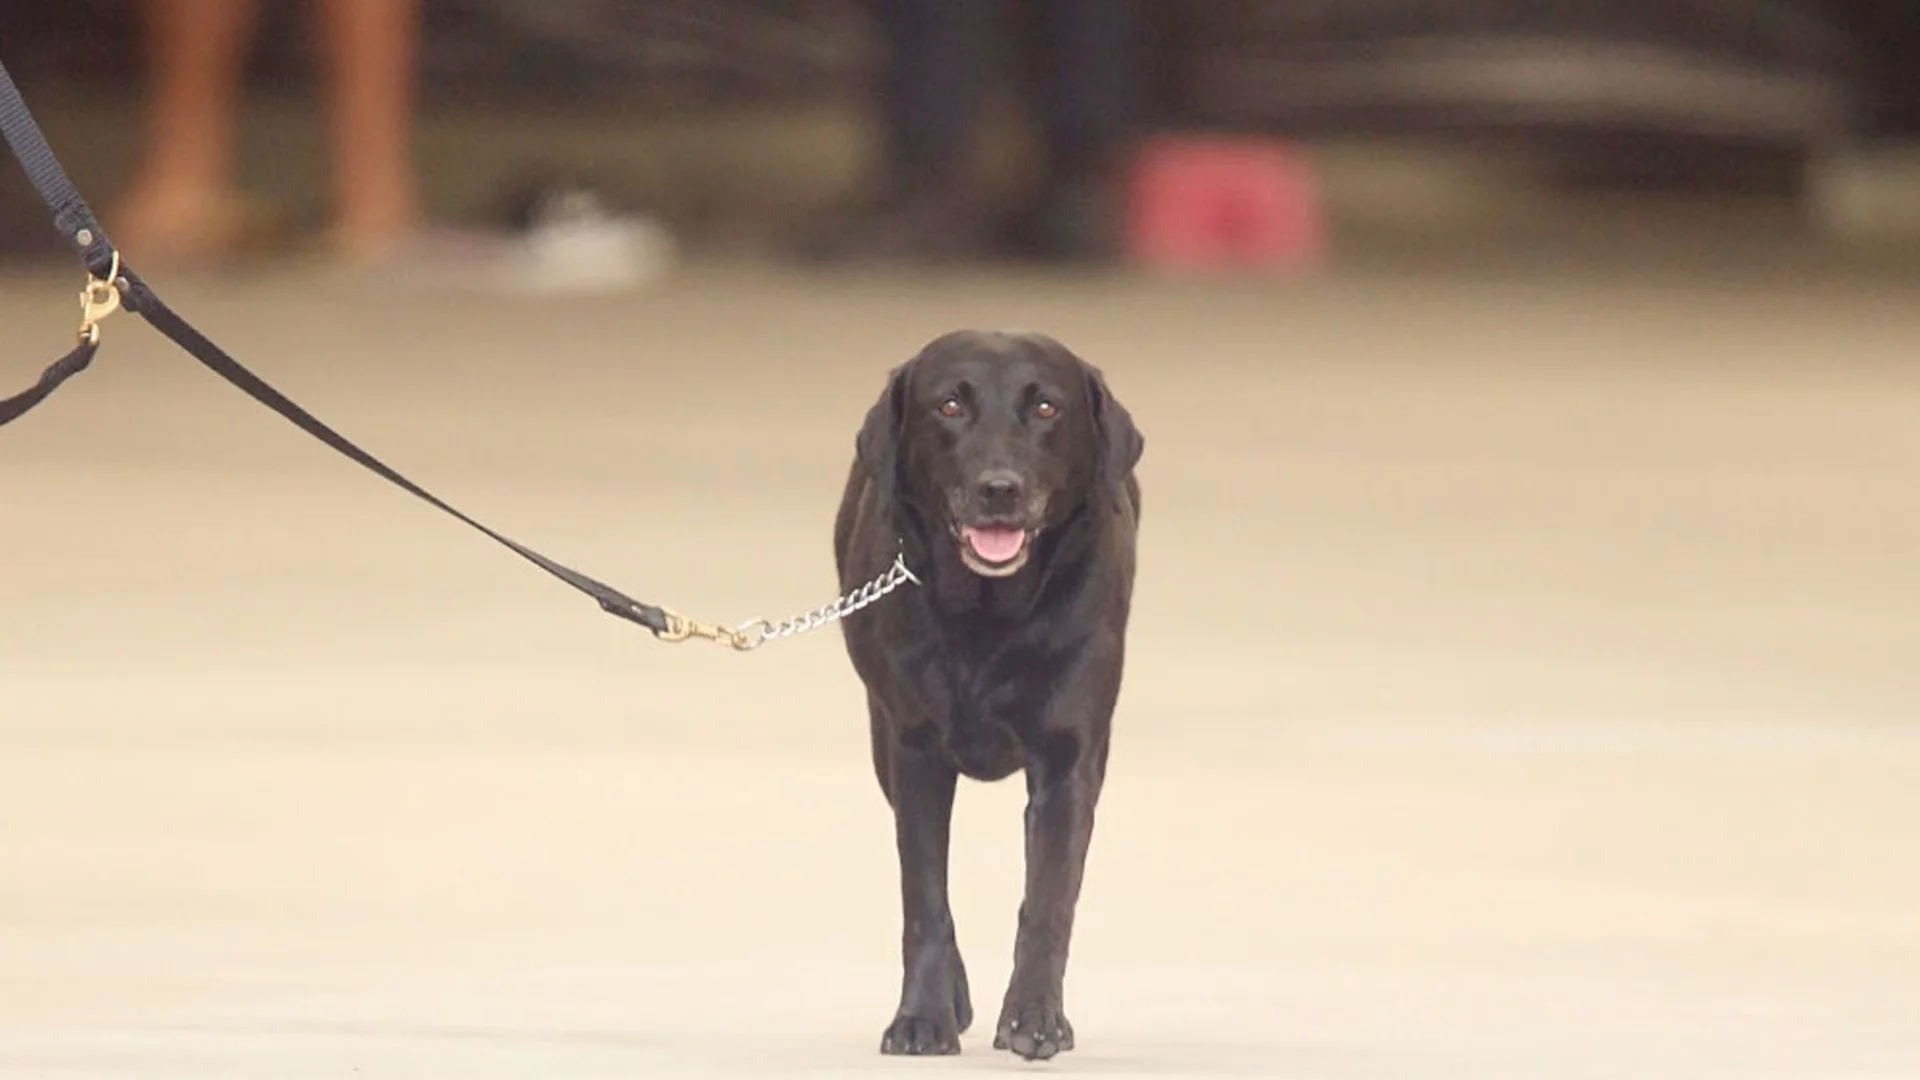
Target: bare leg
{"x":371,"y":57}
{"x":183,"y":203}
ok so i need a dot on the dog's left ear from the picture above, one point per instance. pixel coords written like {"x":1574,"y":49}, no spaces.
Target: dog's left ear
{"x":1120,"y":442}
{"x":878,"y":445}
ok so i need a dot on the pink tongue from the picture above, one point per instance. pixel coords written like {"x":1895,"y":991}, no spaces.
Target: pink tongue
{"x":995,"y":545}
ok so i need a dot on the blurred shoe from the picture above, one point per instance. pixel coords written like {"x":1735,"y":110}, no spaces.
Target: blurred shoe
{"x":573,"y":240}
{"x":1076,"y":222}
{"x":927,"y":229}
{"x":560,"y":238}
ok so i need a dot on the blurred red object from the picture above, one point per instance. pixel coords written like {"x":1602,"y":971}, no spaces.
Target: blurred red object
{"x":1222,"y":203}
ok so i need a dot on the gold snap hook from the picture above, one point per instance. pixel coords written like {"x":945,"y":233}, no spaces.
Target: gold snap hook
{"x":680,"y":628}
{"x":98,"y":300}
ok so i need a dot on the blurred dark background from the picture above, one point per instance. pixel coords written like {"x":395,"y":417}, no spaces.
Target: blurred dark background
{"x":1848,"y":65}
{"x":688,"y":108}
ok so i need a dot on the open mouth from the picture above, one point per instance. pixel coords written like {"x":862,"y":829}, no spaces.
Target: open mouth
{"x":994,"y":550}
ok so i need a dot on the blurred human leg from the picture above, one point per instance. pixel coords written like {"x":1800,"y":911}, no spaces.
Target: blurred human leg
{"x":372,"y":49}
{"x":183,"y":202}
{"x":935,"y":82}
{"x":1088,"y":84}
{"x":938,"y":55}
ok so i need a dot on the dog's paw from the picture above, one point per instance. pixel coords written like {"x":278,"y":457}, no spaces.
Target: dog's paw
{"x":920,"y":1036}
{"x":1033,"y":1031}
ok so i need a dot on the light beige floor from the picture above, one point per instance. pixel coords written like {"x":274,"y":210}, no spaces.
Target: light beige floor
{"x":1524,"y":684}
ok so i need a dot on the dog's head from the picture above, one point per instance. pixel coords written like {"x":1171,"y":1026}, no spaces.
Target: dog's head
{"x":996,"y":437}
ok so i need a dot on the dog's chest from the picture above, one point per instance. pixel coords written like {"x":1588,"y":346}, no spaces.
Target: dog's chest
{"x":987,"y":697}
{"x":992,"y":710}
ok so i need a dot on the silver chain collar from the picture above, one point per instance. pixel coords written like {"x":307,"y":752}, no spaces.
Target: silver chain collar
{"x":754,"y":633}
{"x":760,"y":631}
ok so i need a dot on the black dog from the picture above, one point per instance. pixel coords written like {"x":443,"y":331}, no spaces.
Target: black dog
{"x":1002,"y":469}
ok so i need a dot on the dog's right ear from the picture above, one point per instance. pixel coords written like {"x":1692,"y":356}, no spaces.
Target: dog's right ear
{"x":878,"y":445}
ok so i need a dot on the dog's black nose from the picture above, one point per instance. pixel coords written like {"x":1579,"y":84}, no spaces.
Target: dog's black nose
{"x":1000,"y":488}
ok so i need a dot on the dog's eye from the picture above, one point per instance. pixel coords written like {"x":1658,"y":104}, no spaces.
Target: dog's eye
{"x":951,"y":407}
{"x":1046,"y":410}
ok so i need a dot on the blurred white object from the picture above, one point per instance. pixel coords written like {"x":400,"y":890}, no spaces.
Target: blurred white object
{"x":1869,"y":196}
{"x":573,"y":242}
{"x":564,"y":240}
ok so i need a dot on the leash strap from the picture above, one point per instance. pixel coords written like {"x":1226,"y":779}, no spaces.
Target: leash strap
{"x":65,"y":368}
{"x":70,"y":212}
{"x":76,"y":223}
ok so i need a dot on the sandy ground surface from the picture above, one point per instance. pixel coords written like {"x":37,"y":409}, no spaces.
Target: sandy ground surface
{"x":1524,"y":684}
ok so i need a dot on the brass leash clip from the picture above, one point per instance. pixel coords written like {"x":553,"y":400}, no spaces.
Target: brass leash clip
{"x":99,"y":300}
{"x":680,"y":628}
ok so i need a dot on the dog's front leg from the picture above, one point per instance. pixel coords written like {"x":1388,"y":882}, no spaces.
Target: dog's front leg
{"x":935,"y":1006}
{"x":1062,"y":791}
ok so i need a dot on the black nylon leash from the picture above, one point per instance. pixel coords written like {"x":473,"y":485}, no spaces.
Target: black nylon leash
{"x":60,"y":371}
{"x":112,"y":285}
